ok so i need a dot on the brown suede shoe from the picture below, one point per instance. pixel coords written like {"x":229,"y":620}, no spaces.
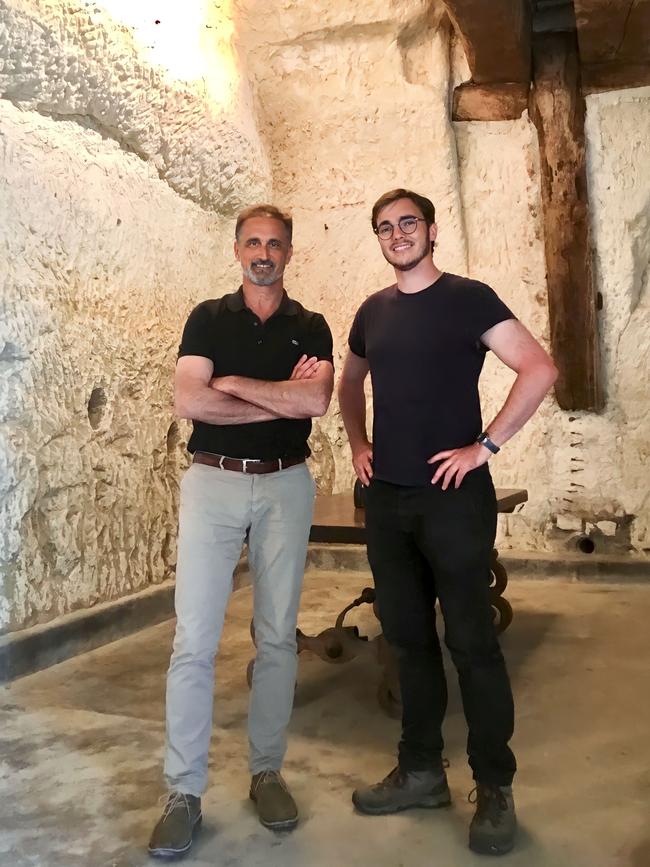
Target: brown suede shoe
{"x":172,"y":836}
{"x":275,"y":807}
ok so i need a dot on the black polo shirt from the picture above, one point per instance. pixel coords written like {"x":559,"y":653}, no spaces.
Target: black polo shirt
{"x":238,"y":343}
{"x":425,"y":356}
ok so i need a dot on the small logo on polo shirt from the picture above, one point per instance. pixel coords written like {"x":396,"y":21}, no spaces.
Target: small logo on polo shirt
{"x":295,"y":342}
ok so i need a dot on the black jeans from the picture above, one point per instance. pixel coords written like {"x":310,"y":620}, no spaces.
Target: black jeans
{"x":426,"y":544}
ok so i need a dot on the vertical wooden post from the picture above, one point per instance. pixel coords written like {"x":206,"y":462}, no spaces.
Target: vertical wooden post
{"x":558,"y":111}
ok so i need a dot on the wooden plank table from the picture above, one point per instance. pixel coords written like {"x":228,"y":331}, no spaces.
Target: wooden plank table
{"x":337,"y":520}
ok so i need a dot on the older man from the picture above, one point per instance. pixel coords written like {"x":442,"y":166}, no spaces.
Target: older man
{"x":254,"y":367}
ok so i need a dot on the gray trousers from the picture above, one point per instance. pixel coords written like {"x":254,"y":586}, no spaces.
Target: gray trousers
{"x":217,"y":508}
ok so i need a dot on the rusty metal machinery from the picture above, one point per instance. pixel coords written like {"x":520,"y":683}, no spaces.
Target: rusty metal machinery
{"x":340,"y":643}
{"x":336,"y":644}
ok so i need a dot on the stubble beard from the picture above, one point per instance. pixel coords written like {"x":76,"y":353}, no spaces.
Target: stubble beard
{"x":409,"y":264}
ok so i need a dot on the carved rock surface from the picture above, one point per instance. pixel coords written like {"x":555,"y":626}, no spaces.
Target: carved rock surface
{"x":74,"y":61}
{"x":117,"y":190}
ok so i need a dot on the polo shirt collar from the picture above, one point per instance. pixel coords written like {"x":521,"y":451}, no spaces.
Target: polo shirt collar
{"x":235,"y":303}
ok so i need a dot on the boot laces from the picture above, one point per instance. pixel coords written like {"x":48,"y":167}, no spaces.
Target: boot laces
{"x":397,"y":776}
{"x":490,"y":802}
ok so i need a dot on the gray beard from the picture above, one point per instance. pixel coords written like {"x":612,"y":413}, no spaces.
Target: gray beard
{"x":267,"y":279}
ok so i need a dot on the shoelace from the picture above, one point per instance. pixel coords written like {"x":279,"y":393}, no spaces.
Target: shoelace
{"x":270,"y":776}
{"x":175,"y":799}
{"x":396,"y":774}
{"x":487,"y":798}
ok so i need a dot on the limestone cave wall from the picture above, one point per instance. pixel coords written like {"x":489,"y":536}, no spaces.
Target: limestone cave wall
{"x":118,"y":184}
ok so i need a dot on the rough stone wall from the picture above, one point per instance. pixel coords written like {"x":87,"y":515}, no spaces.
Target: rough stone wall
{"x":117,"y":189}
{"x":73,"y":60}
{"x":616,"y":446}
{"x":353,"y":99}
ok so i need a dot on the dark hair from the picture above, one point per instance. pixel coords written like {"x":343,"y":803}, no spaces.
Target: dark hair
{"x":425,"y":205}
{"x":264,"y":211}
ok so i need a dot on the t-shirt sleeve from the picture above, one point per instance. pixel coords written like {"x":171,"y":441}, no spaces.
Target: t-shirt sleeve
{"x":196,"y":339}
{"x":357,"y":336}
{"x":319,"y":340}
{"x":486,"y":310}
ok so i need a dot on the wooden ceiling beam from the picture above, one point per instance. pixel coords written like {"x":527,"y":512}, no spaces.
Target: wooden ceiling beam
{"x":501,"y":101}
{"x":614,"y":42}
{"x":496,"y":36}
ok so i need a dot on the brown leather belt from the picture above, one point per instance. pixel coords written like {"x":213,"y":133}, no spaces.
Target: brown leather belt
{"x":245,"y":465}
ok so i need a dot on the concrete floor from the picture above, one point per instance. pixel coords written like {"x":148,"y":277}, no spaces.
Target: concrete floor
{"x":81,"y":747}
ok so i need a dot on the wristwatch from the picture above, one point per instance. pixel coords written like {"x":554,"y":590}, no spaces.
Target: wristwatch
{"x":484,"y":440}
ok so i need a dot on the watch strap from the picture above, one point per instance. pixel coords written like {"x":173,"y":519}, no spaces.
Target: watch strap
{"x":484,"y":440}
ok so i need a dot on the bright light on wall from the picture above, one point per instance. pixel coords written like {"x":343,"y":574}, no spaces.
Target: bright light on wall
{"x":190,"y":40}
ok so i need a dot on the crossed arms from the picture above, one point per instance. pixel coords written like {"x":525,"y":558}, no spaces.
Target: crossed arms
{"x":226,"y":400}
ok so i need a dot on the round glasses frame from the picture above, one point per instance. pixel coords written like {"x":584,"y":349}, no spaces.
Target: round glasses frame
{"x":407,"y":225}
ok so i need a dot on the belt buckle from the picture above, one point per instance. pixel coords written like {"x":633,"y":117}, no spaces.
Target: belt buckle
{"x":247,"y":461}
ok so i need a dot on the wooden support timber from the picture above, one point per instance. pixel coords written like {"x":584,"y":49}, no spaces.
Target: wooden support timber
{"x":502,"y":101}
{"x":558,"y":111}
{"x":496,"y":37}
{"x":614,"y":40}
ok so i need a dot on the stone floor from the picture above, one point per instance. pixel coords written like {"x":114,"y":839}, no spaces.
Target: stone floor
{"x":82,"y":743}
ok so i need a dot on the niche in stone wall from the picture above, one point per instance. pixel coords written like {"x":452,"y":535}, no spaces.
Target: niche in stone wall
{"x":96,"y":406}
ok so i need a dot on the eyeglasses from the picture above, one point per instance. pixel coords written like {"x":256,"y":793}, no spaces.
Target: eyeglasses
{"x":407,"y":225}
